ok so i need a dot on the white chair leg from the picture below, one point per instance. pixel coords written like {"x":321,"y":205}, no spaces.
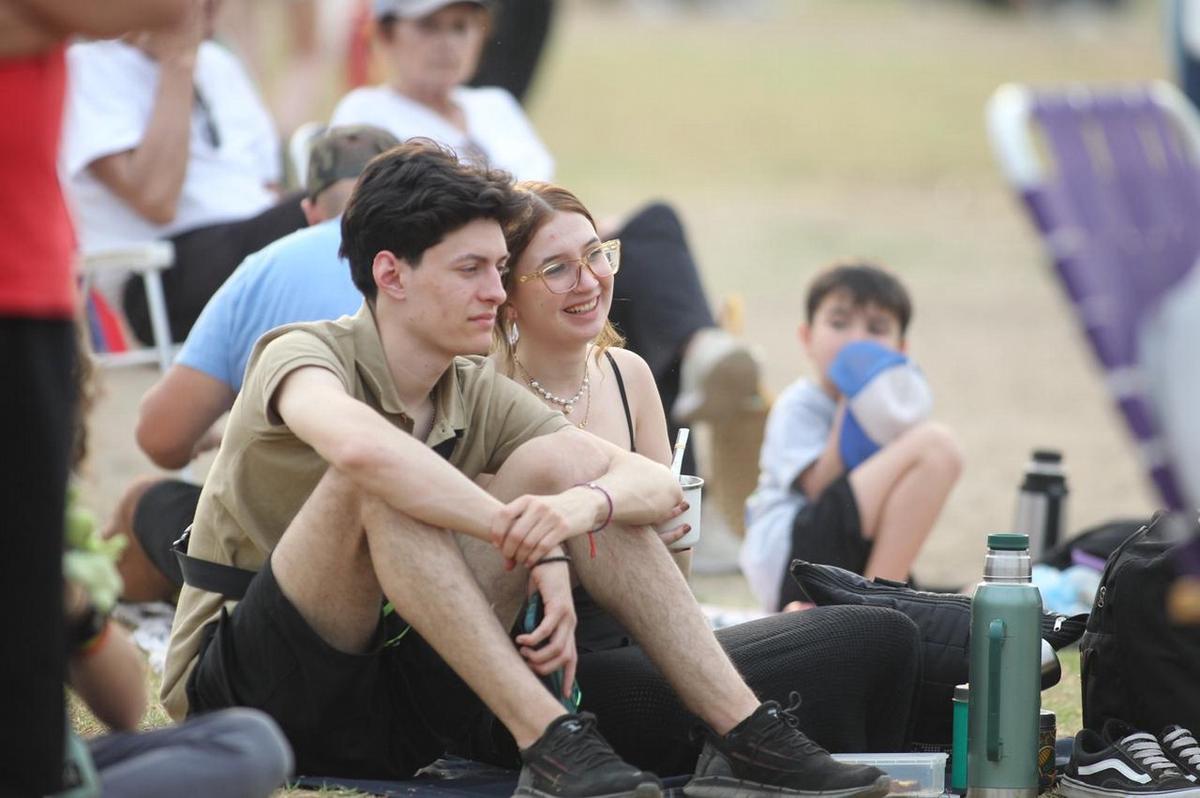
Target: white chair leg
{"x":159,"y":325}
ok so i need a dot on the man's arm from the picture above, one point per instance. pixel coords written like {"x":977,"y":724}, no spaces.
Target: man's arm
{"x":149,"y":177}
{"x":378,"y":457}
{"x":110,"y":676}
{"x":103,"y":20}
{"x":28,"y":27}
{"x":641,"y":491}
{"x":177,"y":414}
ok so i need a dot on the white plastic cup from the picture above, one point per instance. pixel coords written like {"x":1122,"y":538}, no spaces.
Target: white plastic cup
{"x":691,"y":494}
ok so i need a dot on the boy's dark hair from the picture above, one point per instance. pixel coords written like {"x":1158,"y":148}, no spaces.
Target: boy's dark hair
{"x":409,"y":198}
{"x":867,"y":284}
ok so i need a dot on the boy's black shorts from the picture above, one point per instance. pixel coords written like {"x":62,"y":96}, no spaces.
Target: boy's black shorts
{"x":380,"y":715}
{"x":827,"y":531}
{"x":161,"y":515}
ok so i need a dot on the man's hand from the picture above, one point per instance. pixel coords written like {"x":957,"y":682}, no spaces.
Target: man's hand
{"x":527,"y":528}
{"x":552,"y":644}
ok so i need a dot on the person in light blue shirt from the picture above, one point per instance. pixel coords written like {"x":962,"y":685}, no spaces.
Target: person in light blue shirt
{"x":299,"y":277}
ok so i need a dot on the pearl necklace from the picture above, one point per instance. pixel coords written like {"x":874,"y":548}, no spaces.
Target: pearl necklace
{"x":567,"y":405}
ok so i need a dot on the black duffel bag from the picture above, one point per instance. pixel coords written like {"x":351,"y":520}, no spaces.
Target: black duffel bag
{"x":944,"y":621}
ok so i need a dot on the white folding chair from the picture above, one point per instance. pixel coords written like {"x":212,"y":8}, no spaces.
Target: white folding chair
{"x":148,"y":260}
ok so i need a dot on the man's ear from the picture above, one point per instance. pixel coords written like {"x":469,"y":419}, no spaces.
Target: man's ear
{"x":804,"y":334}
{"x":312,"y":214}
{"x":903,"y":347}
{"x":392,"y":274}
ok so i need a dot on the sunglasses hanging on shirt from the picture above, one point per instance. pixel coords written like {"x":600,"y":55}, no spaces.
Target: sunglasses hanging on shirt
{"x":210,"y":123}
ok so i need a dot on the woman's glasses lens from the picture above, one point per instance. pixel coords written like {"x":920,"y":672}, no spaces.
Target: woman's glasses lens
{"x":563,"y":276}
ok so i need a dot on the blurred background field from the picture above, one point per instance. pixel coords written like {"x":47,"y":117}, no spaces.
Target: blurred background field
{"x":790,"y":133}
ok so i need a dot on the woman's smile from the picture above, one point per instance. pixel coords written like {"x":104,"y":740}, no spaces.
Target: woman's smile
{"x":583,"y":307}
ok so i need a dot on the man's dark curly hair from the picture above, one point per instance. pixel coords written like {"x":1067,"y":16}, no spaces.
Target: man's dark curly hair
{"x":409,"y":198}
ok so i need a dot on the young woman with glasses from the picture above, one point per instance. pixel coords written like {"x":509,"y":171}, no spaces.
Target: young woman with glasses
{"x":553,"y":336}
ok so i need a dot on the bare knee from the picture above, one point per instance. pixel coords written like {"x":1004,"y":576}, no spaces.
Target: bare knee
{"x":121,"y":520}
{"x":552,"y":463}
{"x":937,"y":447}
{"x":330,"y":520}
{"x":141,"y":578}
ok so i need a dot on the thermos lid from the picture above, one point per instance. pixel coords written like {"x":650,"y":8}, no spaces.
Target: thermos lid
{"x":962,"y":692}
{"x":1008,"y":541}
{"x":1047,"y":456}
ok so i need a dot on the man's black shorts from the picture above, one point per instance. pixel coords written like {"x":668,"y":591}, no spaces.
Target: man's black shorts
{"x":382,"y":714}
{"x":164,"y":511}
{"x":827,"y":531}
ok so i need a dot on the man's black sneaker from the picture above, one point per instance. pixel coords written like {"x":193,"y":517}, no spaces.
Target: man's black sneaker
{"x":1181,"y":747}
{"x":767,"y":755}
{"x":1122,"y":761}
{"x":572,"y":760}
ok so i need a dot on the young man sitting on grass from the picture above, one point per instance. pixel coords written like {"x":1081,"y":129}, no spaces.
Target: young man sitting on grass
{"x":872,"y":516}
{"x":345,"y":478}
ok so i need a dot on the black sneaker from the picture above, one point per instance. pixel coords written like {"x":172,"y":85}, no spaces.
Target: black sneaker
{"x":1122,"y":761}
{"x":767,"y":755}
{"x":572,"y":760}
{"x":1181,"y":747}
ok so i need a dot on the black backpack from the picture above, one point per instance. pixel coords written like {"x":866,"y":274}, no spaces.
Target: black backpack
{"x":1135,"y":663}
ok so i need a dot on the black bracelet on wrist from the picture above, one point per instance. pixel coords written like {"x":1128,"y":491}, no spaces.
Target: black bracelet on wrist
{"x":552,"y":558}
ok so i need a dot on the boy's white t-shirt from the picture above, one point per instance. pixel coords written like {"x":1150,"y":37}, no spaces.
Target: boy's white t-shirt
{"x":496,"y":126}
{"x":796,"y":433}
{"x":111,"y":91}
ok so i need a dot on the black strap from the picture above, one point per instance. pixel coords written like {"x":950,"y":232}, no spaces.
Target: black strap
{"x":227,"y":580}
{"x":624,"y":398}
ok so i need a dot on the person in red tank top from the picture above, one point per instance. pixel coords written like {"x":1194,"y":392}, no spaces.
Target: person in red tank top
{"x":37,"y":358}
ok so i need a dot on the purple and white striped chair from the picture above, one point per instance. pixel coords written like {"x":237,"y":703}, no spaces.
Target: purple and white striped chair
{"x":1118,"y":206}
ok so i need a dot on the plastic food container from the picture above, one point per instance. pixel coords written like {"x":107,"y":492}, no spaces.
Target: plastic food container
{"x":920,"y":775}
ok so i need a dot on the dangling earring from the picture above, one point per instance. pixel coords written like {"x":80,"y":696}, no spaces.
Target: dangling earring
{"x":514,"y":334}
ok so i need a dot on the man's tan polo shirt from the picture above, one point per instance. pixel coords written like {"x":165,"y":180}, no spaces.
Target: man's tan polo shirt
{"x":264,"y":473}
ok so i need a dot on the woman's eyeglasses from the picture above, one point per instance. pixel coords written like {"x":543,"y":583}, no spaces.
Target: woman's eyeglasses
{"x":561,"y":276}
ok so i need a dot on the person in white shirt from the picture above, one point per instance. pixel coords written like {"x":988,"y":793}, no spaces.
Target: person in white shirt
{"x":165,"y":137}
{"x":430,"y":49}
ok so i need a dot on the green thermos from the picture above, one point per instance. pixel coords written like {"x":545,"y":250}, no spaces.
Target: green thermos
{"x":1006,"y":698}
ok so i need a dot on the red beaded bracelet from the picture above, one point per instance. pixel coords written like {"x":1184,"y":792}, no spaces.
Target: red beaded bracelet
{"x":607,"y":518}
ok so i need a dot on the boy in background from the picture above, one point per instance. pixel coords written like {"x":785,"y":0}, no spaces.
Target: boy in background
{"x":872,"y":517}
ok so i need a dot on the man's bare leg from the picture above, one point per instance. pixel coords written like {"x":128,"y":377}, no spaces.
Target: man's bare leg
{"x":634,"y":577}
{"x":900,"y":492}
{"x":363,"y":549}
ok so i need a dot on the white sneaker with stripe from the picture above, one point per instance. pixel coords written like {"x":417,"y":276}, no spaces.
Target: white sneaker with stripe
{"x":1122,"y":761}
